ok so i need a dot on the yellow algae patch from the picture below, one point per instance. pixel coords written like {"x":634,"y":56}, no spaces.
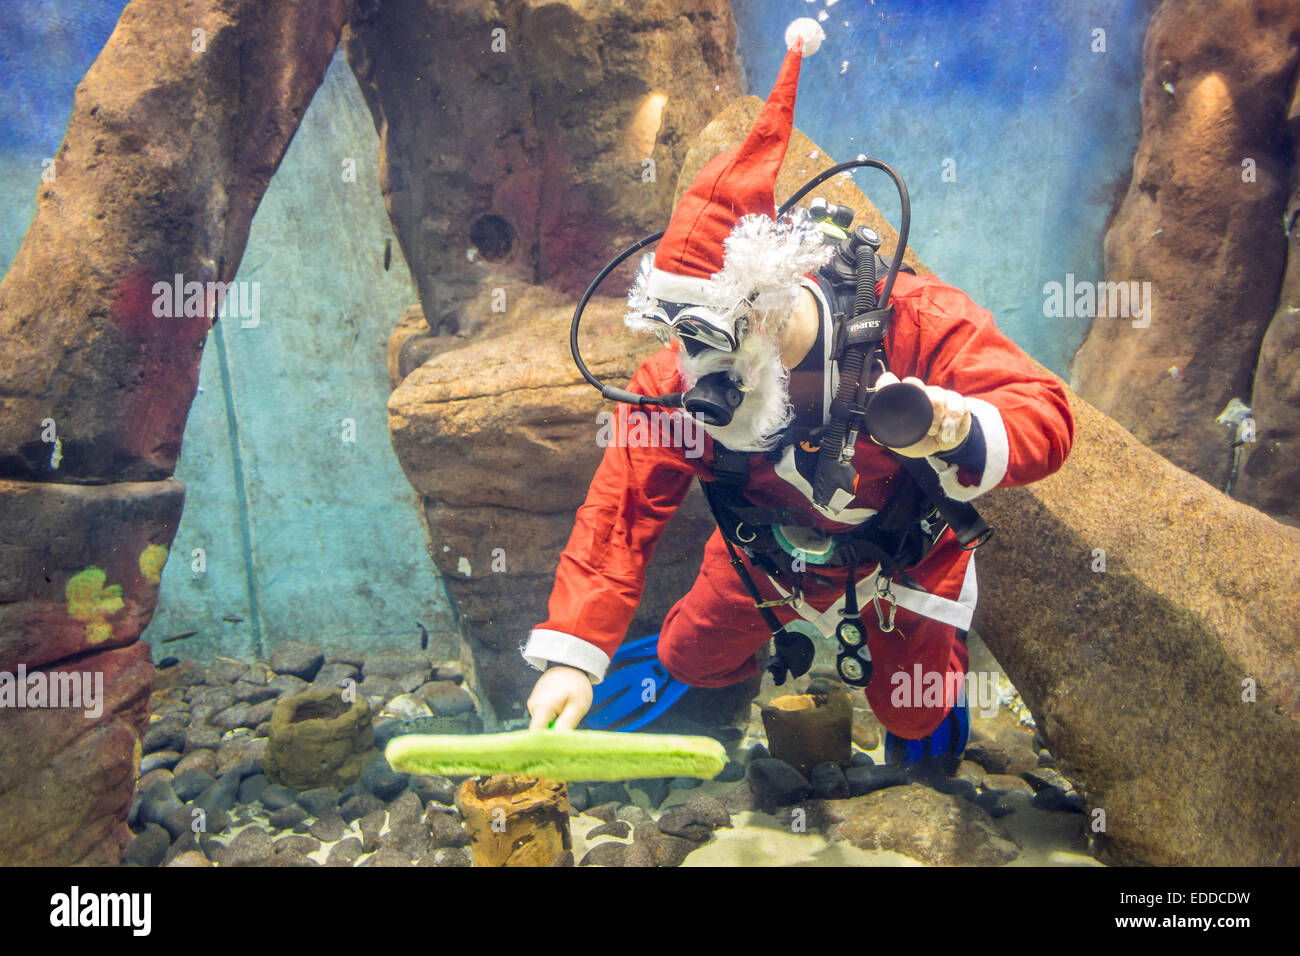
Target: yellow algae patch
{"x":152,"y":560}
{"x":90,"y":601}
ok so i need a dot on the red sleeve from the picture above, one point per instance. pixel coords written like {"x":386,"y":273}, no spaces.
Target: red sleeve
{"x":1024,"y":412}
{"x":635,"y":491}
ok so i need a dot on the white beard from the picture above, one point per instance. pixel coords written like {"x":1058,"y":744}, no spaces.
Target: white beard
{"x":765,"y":383}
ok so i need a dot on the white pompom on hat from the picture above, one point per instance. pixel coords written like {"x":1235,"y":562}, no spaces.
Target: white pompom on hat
{"x":808,"y":30}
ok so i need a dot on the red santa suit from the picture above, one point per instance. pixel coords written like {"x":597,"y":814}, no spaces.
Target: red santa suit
{"x":709,"y":638}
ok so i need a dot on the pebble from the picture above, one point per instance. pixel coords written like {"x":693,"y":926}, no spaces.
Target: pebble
{"x":639,"y":854}
{"x":157,"y":803}
{"x":335,"y":673}
{"x":775,"y":783}
{"x":409,"y":682}
{"x":291,"y":858}
{"x":202,"y":737}
{"x":405,"y":810}
{"x":411,"y":839}
{"x":610,"y":853}
{"x":277,"y":797}
{"x":608,"y":792}
{"x":387,"y":856}
{"x":164,"y":735}
{"x":287,"y":818}
{"x":381,"y":687}
{"x":319,"y":801}
{"x":287,"y":684}
{"x":357,"y":806}
{"x":388,"y":729}
{"x":579,"y":797}
{"x":452,"y":705}
{"x":205,"y":760}
{"x":370,"y":825}
{"x":668,"y":850}
{"x":251,"y":790}
{"x":250,"y":847}
{"x":328,"y":828}
{"x":1053,"y":798}
{"x":446,"y":830}
{"x":446,"y":856}
{"x":863,"y":780}
{"x":689,"y":783}
{"x":221,"y":795}
{"x":149,"y":847}
{"x":296,"y":844}
{"x":190,"y":858}
{"x":655,"y":788}
{"x":166,"y":759}
{"x":828,"y":781}
{"x":344,"y":853}
{"x":300,"y":660}
{"x":603,"y":811}
{"x":861,"y":759}
{"x":191,"y":783}
{"x":382,"y":780}
{"x":619,"y":828}
{"x":406,"y":707}
{"x":225,"y":671}
{"x":732,"y":772}
{"x":396,"y":665}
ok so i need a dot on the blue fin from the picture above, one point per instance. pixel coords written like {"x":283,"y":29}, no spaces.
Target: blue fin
{"x":620,"y":696}
{"x":950,"y":737}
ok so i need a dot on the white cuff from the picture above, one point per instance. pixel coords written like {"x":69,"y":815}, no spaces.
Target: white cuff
{"x":997,"y":454}
{"x":555,"y":647}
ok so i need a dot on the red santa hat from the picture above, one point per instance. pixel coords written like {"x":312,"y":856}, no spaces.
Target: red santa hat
{"x":737,"y":187}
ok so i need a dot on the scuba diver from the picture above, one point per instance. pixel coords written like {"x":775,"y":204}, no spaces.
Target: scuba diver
{"x":852,"y":410}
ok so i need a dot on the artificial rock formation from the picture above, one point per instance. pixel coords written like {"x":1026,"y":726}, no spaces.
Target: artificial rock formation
{"x":95,"y":386}
{"x":1200,"y":224}
{"x":515,"y":820}
{"x":319,"y":738}
{"x":805,"y":730}
{"x":1148,"y":621}
{"x":1270,"y":467}
{"x":555,"y":139}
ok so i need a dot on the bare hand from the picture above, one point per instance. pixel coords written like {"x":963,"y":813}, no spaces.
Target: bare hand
{"x":562,"y":694}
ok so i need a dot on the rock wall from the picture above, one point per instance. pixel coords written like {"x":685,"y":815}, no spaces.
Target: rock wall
{"x":95,"y":389}
{"x":1148,"y":621}
{"x":1269,"y":476}
{"x":527,"y":159}
{"x":1199,"y":223}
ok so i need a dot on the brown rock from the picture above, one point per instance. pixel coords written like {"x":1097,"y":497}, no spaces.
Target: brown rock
{"x":550,"y":134}
{"x":1199,"y":232}
{"x":189,"y":858}
{"x":370,"y":825}
{"x":387,"y":856}
{"x":609,"y":853}
{"x":866,"y":729}
{"x":71,"y":575}
{"x":1105,"y":660}
{"x":639,"y":854}
{"x":516,"y":821}
{"x":205,"y":760}
{"x":1270,"y":465}
{"x":66,"y":781}
{"x":82,"y":344}
{"x":806,"y":729}
{"x":935,"y":828}
{"x":344,"y":853}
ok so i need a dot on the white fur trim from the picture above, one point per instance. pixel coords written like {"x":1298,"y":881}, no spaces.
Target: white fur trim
{"x":997,"y":454}
{"x":670,"y":287}
{"x":807,"y":29}
{"x":555,"y":647}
